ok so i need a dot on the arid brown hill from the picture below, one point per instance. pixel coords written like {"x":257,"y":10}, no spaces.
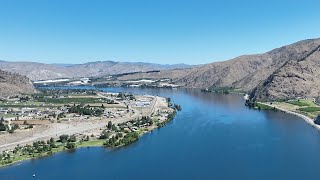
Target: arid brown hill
{"x":297,"y":77}
{"x":13,"y":84}
{"x":246,"y":72}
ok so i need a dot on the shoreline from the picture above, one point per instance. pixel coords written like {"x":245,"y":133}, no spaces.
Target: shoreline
{"x":57,"y":150}
{"x":304,"y":117}
{"x":133,"y":127}
{"x":87,"y":144}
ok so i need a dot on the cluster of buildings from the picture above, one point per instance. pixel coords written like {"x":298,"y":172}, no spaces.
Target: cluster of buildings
{"x":163,"y":83}
{"x":81,"y":81}
{"x":143,"y":102}
{"x":114,"y":113}
{"x":63,"y":81}
{"x":27,"y":113}
{"x":4,"y":111}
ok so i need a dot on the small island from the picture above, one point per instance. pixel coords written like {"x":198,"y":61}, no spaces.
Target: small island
{"x":51,"y":121}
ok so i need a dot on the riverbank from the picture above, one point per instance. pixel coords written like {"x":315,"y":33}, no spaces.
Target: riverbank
{"x":304,"y":117}
{"x":61,"y":148}
{"x":117,"y":127}
{"x":18,"y":154}
{"x":224,"y":90}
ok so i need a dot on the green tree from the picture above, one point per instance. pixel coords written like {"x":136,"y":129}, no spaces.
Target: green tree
{"x":71,"y":145}
{"x":51,"y":143}
{"x":63,"y":138}
{"x":36,"y":144}
{"x":104,"y":135}
{"x":119,"y":135}
{"x":15,"y":126}
{"x":177,"y":107}
{"x":72,"y":138}
{"x":2,"y":127}
{"x":109,"y":125}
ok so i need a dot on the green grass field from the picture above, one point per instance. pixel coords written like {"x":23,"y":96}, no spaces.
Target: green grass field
{"x":21,"y":106}
{"x":302,"y":103}
{"x":309,"y":109}
{"x":226,"y":90}
{"x":7,"y":115}
{"x":91,"y":143}
{"x":298,"y":103}
{"x":72,"y":100}
{"x":263,"y":107}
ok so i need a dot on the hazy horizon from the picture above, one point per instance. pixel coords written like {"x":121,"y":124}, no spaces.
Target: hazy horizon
{"x":94,"y":61}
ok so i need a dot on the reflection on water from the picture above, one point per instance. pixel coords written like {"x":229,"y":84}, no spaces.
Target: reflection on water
{"x":214,"y":137}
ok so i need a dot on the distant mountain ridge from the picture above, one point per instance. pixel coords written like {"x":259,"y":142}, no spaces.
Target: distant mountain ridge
{"x":41,"y":71}
{"x":283,"y":73}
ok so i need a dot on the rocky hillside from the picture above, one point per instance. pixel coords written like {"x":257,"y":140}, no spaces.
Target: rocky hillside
{"x":14,"y":84}
{"x":40,"y":71}
{"x":246,"y":72}
{"x":225,"y":74}
{"x":299,"y":76}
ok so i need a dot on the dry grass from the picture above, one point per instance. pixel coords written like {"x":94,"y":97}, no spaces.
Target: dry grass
{"x":33,"y":122}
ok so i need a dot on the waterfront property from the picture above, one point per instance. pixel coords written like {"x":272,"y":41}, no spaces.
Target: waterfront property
{"x":74,"y":120}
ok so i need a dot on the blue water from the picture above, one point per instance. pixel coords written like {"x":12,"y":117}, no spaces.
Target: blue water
{"x":214,"y":137}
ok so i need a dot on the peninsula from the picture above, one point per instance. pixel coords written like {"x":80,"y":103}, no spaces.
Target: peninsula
{"x":54,"y":120}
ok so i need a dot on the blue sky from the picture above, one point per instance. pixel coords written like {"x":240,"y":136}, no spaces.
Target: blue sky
{"x":162,"y":31}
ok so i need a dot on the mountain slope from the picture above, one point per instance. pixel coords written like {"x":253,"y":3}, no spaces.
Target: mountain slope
{"x":14,"y":84}
{"x":222,"y":74}
{"x":35,"y":70}
{"x":40,"y":71}
{"x":298,"y":77}
{"x":246,"y":72}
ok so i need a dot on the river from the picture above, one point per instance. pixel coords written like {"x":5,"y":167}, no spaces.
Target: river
{"x":214,"y":137}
